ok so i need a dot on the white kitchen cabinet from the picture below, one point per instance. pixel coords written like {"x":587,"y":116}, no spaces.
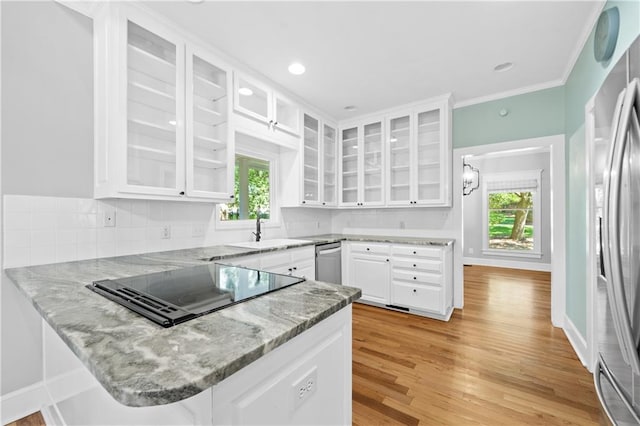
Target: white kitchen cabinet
{"x":319,"y":163}
{"x":362,"y":151}
{"x":416,"y":279}
{"x":260,"y":102}
{"x":421,"y":279}
{"x":419,"y":155}
{"x":161,"y":113}
{"x":367,"y":268}
{"x":299,"y":262}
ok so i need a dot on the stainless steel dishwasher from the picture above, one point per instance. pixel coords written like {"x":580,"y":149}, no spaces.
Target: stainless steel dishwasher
{"x":329,"y":262}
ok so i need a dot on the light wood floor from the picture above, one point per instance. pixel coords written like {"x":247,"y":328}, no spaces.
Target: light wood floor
{"x":498,"y":361}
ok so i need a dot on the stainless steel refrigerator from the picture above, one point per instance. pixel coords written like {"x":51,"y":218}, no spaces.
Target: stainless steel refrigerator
{"x":617,"y":195}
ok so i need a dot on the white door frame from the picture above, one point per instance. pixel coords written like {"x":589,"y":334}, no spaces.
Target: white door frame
{"x":555,"y":144}
{"x":592,"y":270}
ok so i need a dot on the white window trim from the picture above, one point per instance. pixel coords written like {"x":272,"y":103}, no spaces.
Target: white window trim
{"x":274,"y":214}
{"x":536,"y":253}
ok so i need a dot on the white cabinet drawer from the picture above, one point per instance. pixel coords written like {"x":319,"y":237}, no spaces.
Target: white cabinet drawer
{"x":419,"y":251}
{"x":371,"y":248}
{"x":418,"y":297}
{"x":416,"y":277}
{"x":418,"y":265}
{"x":302,"y":254}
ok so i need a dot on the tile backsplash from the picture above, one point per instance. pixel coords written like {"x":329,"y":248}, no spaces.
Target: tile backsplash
{"x":39,"y":230}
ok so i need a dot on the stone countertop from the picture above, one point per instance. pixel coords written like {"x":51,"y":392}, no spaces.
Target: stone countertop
{"x":141,"y":363}
{"x":329,"y":238}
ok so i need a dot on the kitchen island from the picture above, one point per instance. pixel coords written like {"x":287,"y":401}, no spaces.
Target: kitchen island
{"x":279,"y":358}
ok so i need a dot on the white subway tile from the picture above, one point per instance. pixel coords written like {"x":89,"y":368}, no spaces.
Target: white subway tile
{"x":44,"y":204}
{"x":87,"y":251}
{"x":87,"y":205}
{"x":42,"y":237}
{"x":106,"y":235}
{"x":17,"y":203}
{"x":106,"y":249}
{"x":68,"y":205}
{"x":67,"y":220}
{"x":16,"y":238}
{"x":16,"y":257}
{"x":43,"y":220}
{"x":44,"y":253}
{"x":14,"y":220}
{"x":87,"y":236}
{"x":66,"y":252}
{"x":87,"y":220}
{"x":66,"y":237}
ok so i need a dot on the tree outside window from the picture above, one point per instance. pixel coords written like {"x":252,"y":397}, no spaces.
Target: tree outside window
{"x":252,"y":191}
{"x":511,"y":224}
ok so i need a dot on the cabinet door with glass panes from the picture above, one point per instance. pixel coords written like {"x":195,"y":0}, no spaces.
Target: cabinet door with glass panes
{"x":349,"y":166}
{"x":154,"y":127}
{"x":209,"y":149}
{"x":362,"y":155}
{"x":329,"y":182}
{"x":400,"y":147}
{"x":311,"y":152}
{"x":432,"y":176}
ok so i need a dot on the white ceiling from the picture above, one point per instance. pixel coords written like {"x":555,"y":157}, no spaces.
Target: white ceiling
{"x":376,"y":55}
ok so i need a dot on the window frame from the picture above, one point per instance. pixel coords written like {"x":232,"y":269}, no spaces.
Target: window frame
{"x":536,"y":175}
{"x":274,"y":213}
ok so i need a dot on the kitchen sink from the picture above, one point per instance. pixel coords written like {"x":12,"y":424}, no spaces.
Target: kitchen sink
{"x":276,"y":242}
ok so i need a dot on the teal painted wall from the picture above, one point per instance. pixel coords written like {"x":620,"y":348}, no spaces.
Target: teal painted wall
{"x":531,"y":115}
{"x":558,"y":110}
{"x":583,"y":82}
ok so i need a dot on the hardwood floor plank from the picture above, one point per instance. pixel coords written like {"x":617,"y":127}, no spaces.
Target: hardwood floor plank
{"x":498,"y":361}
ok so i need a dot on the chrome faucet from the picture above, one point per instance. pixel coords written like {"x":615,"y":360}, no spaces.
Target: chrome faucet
{"x":258,"y":232}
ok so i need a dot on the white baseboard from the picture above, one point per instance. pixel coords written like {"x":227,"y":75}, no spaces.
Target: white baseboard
{"x":502,"y":263}
{"x":25,"y":401}
{"x":70,"y":384}
{"x":577,"y":341}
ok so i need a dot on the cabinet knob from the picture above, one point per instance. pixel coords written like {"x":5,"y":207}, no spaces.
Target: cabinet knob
{"x":415,"y":291}
{"x":387,"y":260}
{"x":181,"y":192}
{"x":367,"y":248}
{"x":414,"y":252}
{"x":232,"y":196}
{"x":414,"y":279}
{"x":414,"y":265}
{"x":324,"y":204}
{"x":304,"y":202}
{"x":295,"y":268}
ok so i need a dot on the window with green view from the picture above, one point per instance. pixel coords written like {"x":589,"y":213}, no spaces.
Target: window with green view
{"x":252,"y":191}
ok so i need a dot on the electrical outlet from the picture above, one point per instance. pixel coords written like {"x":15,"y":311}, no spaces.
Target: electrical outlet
{"x":470,"y":250}
{"x":109,"y":219}
{"x":304,"y":388}
{"x":165,"y":232}
{"x":197,"y":230}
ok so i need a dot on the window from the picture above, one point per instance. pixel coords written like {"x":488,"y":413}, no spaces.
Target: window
{"x":512,"y":213}
{"x":252,"y":191}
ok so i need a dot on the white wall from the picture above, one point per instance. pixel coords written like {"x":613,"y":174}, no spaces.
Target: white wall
{"x":473,"y":218}
{"x":47,"y":100}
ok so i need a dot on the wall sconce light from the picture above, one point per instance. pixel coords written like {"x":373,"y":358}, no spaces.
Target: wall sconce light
{"x":470,"y":178}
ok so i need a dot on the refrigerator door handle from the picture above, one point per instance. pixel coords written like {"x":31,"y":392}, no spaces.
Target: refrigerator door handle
{"x":613,"y":263}
{"x":603,"y":370}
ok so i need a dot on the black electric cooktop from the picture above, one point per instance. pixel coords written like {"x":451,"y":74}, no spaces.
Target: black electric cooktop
{"x":171,"y":297}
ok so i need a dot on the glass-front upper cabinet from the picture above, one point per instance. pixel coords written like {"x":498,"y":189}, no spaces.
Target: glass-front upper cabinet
{"x":311,"y":161}
{"x":349,"y":156}
{"x":329,"y":165}
{"x":399,"y":159}
{"x":209,"y":153}
{"x":155,"y":121}
{"x":259,"y":101}
{"x":419,"y":156}
{"x":162,"y":112}
{"x":372,"y":165}
{"x":429,"y":177}
{"x":362,"y":153}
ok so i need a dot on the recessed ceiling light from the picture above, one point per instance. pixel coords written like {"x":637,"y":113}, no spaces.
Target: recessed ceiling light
{"x":505,"y":66}
{"x":351,"y":108}
{"x":297,"y":68}
{"x":245,"y":91}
